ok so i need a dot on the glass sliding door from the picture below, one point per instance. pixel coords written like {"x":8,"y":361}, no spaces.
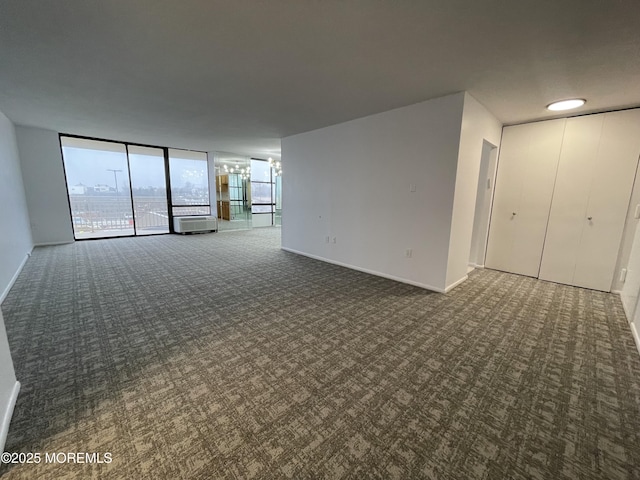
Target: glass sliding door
{"x":97,"y":176}
{"x":148,"y":190}
{"x":262,"y":193}
{"x":233,"y":198}
{"x":188,"y":173}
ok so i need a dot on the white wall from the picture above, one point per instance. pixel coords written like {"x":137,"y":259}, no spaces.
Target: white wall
{"x":631,"y":287}
{"x":629,"y":259}
{"x":15,"y":241}
{"x":44,"y":183}
{"x":352,"y":182}
{"x":478,"y":125}
{"x":9,"y":386}
{"x":627,"y":235}
{"x":15,"y":245}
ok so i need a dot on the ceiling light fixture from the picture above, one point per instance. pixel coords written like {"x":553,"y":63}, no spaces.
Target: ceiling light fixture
{"x":566,"y":104}
{"x":276,"y":167}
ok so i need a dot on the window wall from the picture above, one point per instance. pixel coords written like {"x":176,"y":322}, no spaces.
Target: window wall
{"x":263,"y":190}
{"x":120,"y":189}
{"x":99,"y":188}
{"x":148,"y":190}
{"x":189,"y":175}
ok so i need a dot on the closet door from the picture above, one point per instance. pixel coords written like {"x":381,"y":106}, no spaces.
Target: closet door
{"x":595,"y":177}
{"x":524,"y":186}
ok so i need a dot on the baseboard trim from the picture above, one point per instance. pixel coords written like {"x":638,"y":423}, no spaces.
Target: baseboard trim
{"x":15,"y":277}
{"x":8,"y":413}
{"x":636,"y":337}
{"x":366,"y":270}
{"x":626,"y":310}
{"x":473,"y":266}
{"x":51,"y":244}
{"x":455,"y":284}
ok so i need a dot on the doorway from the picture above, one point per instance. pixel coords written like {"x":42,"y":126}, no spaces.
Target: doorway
{"x":484,"y":197}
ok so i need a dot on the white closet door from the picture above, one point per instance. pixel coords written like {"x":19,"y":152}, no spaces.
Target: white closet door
{"x":569,"y":207}
{"x":608,"y":200}
{"x":524,"y":186}
{"x":593,"y":186}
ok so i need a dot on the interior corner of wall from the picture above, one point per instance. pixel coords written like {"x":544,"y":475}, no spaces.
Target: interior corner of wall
{"x":454,"y":284}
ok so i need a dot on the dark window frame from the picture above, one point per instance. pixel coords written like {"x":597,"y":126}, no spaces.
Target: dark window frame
{"x":167,"y":182}
{"x":271,"y":183}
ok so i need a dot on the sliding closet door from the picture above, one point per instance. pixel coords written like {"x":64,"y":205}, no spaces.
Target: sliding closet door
{"x":524,"y":187}
{"x":595,"y":177}
{"x":568,"y":212}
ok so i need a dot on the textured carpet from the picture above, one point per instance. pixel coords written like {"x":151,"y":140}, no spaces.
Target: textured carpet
{"x":221,"y":356}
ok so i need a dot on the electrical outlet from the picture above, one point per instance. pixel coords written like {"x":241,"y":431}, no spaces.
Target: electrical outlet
{"x":408,"y":253}
{"x":326,"y":239}
{"x":623,"y":274}
{"x":412,"y":187}
{"x":334,"y":239}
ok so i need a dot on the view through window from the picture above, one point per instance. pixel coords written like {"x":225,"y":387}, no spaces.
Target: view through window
{"x":149,"y":190}
{"x":99,"y":188}
{"x":189,"y":182}
{"x":263,"y":193}
{"x":118,"y":189}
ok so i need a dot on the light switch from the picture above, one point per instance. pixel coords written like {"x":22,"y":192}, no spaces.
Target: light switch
{"x":412,"y":187}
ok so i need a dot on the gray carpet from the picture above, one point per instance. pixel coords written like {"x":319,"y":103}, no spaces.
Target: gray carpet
{"x":221,"y":356}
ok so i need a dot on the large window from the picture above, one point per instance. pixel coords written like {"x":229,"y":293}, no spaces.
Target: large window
{"x":148,"y":190}
{"x":189,"y":182}
{"x":262,"y":191}
{"x":120,"y":189}
{"x":99,"y":188}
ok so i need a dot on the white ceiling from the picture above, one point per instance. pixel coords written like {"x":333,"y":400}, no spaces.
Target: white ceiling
{"x":238,"y":75}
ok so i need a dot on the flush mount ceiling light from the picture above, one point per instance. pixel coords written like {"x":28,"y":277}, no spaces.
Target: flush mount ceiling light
{"x":566,"y":104}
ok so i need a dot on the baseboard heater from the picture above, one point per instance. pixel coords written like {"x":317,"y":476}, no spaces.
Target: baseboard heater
{"x":195,"y":224}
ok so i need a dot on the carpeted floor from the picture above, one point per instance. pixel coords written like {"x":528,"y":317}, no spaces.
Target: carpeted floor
{"x":221,"y":356}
